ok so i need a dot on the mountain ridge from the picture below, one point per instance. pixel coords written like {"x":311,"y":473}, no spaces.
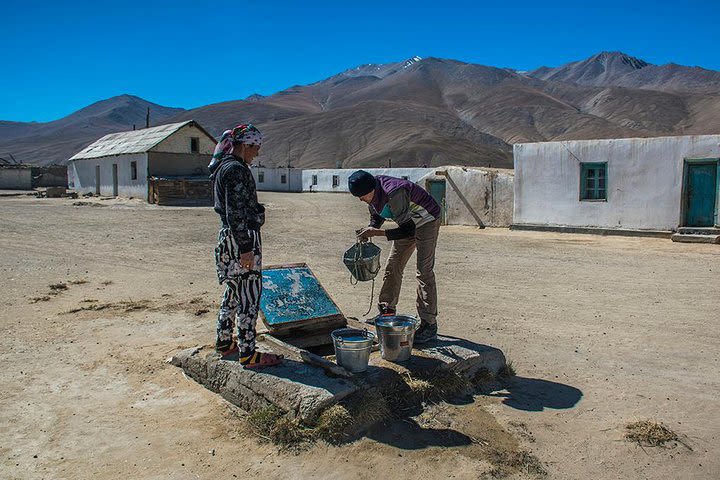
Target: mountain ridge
{"x":419,"y":111}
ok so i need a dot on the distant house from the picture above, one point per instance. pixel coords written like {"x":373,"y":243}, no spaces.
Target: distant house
{"x":165,"y":164}
{"x":15,"y":177}
{"x":655,"y":185}
{"x":27,"y":177}
{"x":278,"y":179}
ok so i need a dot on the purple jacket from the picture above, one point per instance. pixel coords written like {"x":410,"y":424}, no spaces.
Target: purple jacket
{"x":403,"y":202}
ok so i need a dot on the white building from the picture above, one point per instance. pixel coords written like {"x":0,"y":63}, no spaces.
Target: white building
{"x":15,"y":177}
{"x":285,"y":179}
{"x":336,"y":180}
{"x":123,"y":163}
{"x":468,"y":196}
{"x":639,"y":184}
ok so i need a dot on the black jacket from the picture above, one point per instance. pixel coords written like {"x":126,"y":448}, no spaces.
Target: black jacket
{"x":236,"y":199}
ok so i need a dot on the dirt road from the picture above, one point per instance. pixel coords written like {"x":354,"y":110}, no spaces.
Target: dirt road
{"x":601,"y":331}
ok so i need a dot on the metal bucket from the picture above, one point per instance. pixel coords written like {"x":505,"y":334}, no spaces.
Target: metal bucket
{"x":395,"y":335}
{"x":363,"y":261}
{"x":352,"y":348}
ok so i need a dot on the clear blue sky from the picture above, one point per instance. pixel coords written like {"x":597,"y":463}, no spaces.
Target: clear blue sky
{"x":58,"y":56}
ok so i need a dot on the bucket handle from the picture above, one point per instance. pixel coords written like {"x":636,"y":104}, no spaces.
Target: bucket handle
{"x":340,"y":340}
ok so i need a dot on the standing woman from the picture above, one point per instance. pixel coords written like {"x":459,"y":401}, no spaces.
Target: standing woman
{"x":238,"y":256}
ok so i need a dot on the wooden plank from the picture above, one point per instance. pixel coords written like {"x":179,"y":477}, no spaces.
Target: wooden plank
{"x":307,"y":357}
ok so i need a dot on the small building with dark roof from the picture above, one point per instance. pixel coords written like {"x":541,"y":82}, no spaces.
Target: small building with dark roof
{"x":164,"y":164}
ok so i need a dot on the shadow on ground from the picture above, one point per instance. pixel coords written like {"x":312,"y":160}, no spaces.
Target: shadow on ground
{"x":535,"y":395}
{"x":408,"y":435}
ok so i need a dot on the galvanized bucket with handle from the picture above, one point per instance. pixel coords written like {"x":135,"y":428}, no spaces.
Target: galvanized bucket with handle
{"x":363,"y":261}
{"x":395,"y":335}
{"x":352,"y":348}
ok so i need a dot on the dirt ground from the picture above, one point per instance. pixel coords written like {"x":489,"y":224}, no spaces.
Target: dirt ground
{"x":602,"y":331}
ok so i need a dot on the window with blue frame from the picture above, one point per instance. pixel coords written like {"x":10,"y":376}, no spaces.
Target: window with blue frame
{"x":593,"y":181}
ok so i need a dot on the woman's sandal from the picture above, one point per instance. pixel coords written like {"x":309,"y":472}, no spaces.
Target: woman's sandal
{"x":261,"y":360}
{"x":230,"y":352}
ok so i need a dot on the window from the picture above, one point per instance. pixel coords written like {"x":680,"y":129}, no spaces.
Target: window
{"x":261,"y":177}
{"x":133,"y":170}
{"x":593,"y":181}
{"x":283,"y":178}
{"x":194,"y":145}
{"x":336,"y":181}
{"x":314,"y":179}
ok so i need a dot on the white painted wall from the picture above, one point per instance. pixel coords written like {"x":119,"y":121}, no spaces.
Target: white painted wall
{"x":325,"y":177}
{"x":272,"y":179}
{"x":644,"y":182}
{"x":83,"y":174}
{"x":476,"y":196}
{"x":179,"y":142}
{"x":15,"y":179}
{"x":471,"y":194}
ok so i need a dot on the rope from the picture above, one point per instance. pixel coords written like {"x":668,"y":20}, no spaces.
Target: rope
{"x":354,"y":274}
{"x":372,"y":294}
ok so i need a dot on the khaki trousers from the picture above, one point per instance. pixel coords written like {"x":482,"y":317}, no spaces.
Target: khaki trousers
{"x":425,"y":241}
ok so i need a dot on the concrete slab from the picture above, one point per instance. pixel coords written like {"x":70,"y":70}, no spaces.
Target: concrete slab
{"x":305,"y":390}
{"x":464,"y":357}
{"x":302,"y":390}
{"x":691,"y":238}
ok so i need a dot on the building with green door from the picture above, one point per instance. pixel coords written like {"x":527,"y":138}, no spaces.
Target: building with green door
{"x":640,"y":184}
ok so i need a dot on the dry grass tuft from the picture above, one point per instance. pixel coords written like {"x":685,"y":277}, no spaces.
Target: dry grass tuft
{"x":288,"y":432}
{"x":509,"y":462}
{"x":650,"y":434}
{"x":368,"y":407}
{"x":483,"y":376}
{"x":126,"y":307}
{"x":507,"y":371}
{"x":421,"y":389}
{"x":273,"y":425}
{"x":334,"y":423}
{"x":448,"y":384}
{"x":44,"y":298}
{"x":80,"y":281}
{"x":263,"y":420}
{"x":56,"y":288}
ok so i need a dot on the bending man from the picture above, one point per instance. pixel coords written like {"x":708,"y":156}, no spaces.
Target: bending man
{"x":418,"y":217}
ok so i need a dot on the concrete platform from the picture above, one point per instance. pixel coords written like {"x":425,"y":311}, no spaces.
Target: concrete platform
{"x":304,"y":390}
{"x":301,"y":390}
{"x":694,"y":238}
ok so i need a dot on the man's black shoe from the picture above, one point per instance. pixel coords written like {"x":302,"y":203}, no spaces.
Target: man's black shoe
{"x":426,"y":333}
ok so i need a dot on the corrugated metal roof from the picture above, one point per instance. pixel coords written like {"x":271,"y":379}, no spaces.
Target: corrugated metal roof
{"x":134,"y":141}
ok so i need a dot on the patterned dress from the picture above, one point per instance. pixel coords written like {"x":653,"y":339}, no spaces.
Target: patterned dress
{"x":241,"y":216}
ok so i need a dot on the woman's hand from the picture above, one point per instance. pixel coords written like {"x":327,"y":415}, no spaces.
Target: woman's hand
{"x":368,"y":232}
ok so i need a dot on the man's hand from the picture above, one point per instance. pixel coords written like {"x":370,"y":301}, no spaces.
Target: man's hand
{"x":368,"y":232}
{"x":247,"y":260}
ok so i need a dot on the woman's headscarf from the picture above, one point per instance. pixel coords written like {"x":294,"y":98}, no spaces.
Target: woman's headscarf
{"x":246,"y":133}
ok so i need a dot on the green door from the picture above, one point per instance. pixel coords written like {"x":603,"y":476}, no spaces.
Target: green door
{"x":436,"y":188}
{"x":701,"y":194}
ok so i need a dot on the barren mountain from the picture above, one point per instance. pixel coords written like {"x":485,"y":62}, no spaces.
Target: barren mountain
{"x":421,"y":112}
{"x":621,"y":70}
{"x":55,"y":142}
